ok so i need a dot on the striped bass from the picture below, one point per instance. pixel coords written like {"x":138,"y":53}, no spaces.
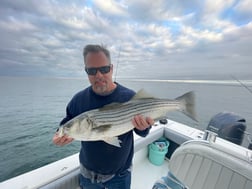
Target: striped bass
{"x":112,"y":120}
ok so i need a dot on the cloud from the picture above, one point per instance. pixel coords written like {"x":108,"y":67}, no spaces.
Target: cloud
{"x":112,"y":9}
{"x":243,"y":10}
{"x":148,"y":38}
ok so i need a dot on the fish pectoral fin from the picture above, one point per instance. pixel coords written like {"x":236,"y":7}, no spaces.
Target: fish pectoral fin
{"x":142,"y":94}
{"x":113,"y":141}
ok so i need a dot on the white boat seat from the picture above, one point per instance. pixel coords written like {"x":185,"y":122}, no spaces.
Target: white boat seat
{"x":200,"y":164}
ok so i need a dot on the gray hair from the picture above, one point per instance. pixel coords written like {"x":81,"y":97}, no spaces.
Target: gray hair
{"x":95,"y":49}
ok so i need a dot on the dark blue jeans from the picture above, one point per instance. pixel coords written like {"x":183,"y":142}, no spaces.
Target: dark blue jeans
{"x":119,"y":181}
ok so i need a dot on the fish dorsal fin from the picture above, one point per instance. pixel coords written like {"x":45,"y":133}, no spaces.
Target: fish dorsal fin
{"x":110,"y":106}
{"x":141,"y":94}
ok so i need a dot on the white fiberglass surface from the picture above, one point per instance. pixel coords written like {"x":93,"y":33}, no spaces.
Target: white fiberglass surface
{"x":144,"y":172}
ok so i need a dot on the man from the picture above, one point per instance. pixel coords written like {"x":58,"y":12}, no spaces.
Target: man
{"x":103,"y":165}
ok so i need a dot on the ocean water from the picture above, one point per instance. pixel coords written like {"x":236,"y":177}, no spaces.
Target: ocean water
{"x":31,"y":109}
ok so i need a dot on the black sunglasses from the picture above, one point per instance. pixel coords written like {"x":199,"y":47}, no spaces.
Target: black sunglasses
{"x":93,"y":71}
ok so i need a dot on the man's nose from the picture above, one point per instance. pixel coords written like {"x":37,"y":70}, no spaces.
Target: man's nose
{"x":98,"y":74}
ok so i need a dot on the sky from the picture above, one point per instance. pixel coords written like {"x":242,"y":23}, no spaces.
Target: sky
{"x":157,"y":39}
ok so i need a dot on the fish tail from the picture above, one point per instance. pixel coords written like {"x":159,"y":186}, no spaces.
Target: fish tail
{"x":188,"y":100}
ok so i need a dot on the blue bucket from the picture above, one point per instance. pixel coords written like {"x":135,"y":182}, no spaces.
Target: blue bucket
{"x":158,"y":150}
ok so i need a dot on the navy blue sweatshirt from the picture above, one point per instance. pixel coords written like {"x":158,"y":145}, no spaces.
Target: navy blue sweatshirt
{"x":99,"y":156}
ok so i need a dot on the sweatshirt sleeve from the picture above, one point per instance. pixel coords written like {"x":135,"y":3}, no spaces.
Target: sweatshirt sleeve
{"x":143,"y":133}
{"x":66,"y":118}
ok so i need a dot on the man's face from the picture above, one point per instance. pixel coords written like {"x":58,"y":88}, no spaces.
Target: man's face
{"x":102,"y":83}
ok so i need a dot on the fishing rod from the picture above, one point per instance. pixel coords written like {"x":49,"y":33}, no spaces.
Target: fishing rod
{"x":118,"y":57}
{"x":249,"y":139}
{"x":250,"y":91}
{"x":242,"y":84}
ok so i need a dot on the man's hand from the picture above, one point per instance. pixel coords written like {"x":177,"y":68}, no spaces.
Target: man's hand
{"x":141,"y":123}
{"x":61,"y":141}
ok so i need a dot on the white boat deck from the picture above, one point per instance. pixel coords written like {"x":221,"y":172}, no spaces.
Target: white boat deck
{"x":144,"y":173}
